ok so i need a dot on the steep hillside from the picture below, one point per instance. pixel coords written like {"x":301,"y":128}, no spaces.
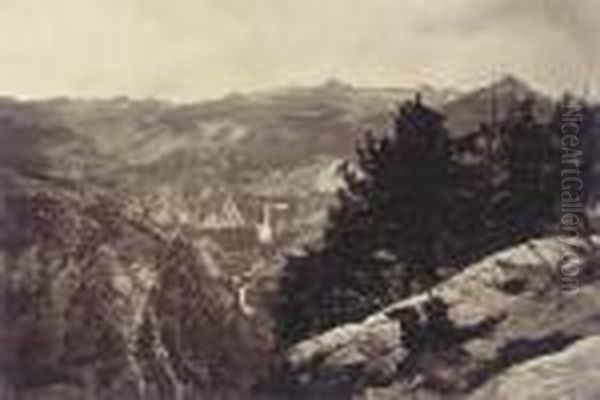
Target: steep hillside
{"x":97,"y":304}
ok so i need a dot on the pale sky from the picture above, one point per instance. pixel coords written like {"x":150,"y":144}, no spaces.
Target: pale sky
{"x":194,"y":49}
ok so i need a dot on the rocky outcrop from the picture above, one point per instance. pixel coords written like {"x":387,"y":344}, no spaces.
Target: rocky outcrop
{"x":570,"y":374}
{"x":507,"y":309}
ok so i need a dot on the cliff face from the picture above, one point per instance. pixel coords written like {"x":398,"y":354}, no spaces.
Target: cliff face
{"x":506,"y":310}
{"x":95,"y":304}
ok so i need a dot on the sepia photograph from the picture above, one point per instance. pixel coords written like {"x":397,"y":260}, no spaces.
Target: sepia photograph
{"x":299,"y":200}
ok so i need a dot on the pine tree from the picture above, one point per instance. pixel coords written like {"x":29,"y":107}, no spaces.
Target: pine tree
{"x":388,"y":235}
{"x":528,"y":155}
{"x":476,"y":177}
{"x":522,"y":196}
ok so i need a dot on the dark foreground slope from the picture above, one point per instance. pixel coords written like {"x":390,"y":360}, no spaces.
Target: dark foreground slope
{"x":96,"y":305}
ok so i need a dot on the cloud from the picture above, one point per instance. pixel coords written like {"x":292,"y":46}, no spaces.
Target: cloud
{"x":205,"y":48}
{"x":576,"y":21}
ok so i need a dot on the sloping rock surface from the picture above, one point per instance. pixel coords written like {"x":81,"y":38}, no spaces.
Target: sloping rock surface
{"x":511,"y":307}
{"x":570,"y":374}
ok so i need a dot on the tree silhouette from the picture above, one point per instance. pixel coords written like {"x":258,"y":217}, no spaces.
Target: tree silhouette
{"x":388,"y":234}
{"x":514,"y":192}
{"x":537,"y":163}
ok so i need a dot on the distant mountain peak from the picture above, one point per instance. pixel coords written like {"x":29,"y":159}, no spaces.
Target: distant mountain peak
{"x":510,"y":83}
{"x":508,"y":88}
{"x":495,"y":100}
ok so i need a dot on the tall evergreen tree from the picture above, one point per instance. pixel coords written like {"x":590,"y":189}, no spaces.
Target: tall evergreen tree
{"x":477,"y":174}
{"x":540,"y":162}
{"x":531,"y":161}
{"x":514,"y":190}
{"x":387,"y":236}
{"x":520,"y":191}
